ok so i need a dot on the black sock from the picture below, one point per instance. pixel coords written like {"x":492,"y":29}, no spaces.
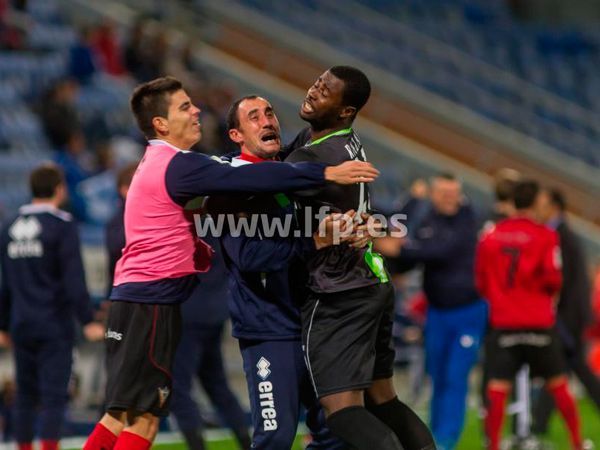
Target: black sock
{"x":193,"y":439}
{"x":412,"y":432}
{"x":362,"y":430}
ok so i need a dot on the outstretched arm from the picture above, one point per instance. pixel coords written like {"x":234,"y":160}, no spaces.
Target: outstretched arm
{"x":193,"y":174}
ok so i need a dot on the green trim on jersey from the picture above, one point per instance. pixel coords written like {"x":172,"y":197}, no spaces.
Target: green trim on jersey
{"x":375,"y":263}
{"x":282,"y":200}
{"x":335,"y":133}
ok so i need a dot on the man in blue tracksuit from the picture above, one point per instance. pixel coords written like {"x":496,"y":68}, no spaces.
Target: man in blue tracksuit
{"x":444,"y":242}
{"x":43,"y":290}
{"x":263,"y":307}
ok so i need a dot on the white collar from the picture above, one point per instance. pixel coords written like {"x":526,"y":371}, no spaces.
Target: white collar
{"x":237,"y":162}
{"x":161,"y":142}
{"x":38,"y":208}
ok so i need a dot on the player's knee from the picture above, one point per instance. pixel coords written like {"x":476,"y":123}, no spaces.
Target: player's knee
{"x":340,"y":400}
{"x":381,"y":391}
{"x":557,"y":381}
{"x":145,"y":425}
{"x":497,"y":385}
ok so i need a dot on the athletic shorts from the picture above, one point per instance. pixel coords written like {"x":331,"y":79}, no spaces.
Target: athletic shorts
{"x":347,"y":338}
{"x":506,"y":351}
{"x":141,"y":340}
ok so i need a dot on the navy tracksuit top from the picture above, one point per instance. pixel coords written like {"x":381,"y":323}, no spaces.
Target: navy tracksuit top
{"x":268,"y":277}
{"x":43,"y":283}
{"x":445,"y":245}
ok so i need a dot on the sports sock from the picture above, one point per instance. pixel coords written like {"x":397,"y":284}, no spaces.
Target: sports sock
{"x":412,"y":432}
{"x":48,"y":444}
{"x":100,"y":439}
{"x":25,"y":446}
{"x":495,"y":416}
{"x":566,"y":405}
{"x":132,"y":441}
{"x":362,"y":430}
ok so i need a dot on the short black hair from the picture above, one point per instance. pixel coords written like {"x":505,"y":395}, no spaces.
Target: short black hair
{"x":44,"y":180}
{"x":150,"y":100}
{"x":233,"y":120}
{"x":557,"y":198}
{"x":357,"y":87}
{"x":505,"y":181}
{"x":525,"y":193}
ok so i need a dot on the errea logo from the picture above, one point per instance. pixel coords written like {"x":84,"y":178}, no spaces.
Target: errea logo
{"x":24,"y":232}
{"x":263,"y":368}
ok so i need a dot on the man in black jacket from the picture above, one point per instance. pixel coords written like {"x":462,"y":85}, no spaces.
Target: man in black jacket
{"x":573,"y":306}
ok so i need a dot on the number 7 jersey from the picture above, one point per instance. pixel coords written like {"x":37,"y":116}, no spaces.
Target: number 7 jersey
{"x":518,"y":271}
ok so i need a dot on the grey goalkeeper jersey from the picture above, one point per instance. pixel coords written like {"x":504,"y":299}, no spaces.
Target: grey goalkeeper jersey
{"x":339,"y":267}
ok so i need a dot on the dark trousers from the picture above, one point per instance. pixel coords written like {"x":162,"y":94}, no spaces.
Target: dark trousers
{"x":43,"y":370}
{"x":279,"y":387}
{"x":199,"y":355}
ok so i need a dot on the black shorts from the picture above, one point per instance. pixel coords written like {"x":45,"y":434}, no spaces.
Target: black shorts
{"x":506,"y":351}
{"x":347,"y":338}
{"x":141,"y":340}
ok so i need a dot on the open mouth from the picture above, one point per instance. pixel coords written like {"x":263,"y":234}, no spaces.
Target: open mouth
{"x":270,"y":137}
{"x":307,"y":107}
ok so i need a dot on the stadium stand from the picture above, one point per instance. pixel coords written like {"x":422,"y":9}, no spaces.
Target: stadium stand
{"x":267,"y":42}
{"x":538,"y":81}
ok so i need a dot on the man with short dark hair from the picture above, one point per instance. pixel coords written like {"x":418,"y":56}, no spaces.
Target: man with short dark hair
{"x":573,"y":309}
{"x":267,"y":286}
{"x":347,"y":318}
{"x":43,"y":289}
{"x":199,"y":352}
{"x":518,"y":273}
{"x":162,"y":255}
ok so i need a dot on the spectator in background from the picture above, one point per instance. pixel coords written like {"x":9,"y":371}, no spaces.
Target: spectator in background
{"x":71,"y":158}
{"x":518,"y":273}
{"x":573,"y":312}
{"x":82,"y":63}
{"x":59,"y":113}
{"x":43,"y":289}
{"x":444,"y":242}
{"x":106,"y":47}
{"x":135,"y":52}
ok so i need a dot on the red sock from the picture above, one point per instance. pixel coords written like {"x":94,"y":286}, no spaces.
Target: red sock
{"x":25,"y":445}
{"x":131,"y":441}
{"x":49,"y":445}
{"x":100,"y":439}
{"x":566,"y":405}
{"x":495,"y":416}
